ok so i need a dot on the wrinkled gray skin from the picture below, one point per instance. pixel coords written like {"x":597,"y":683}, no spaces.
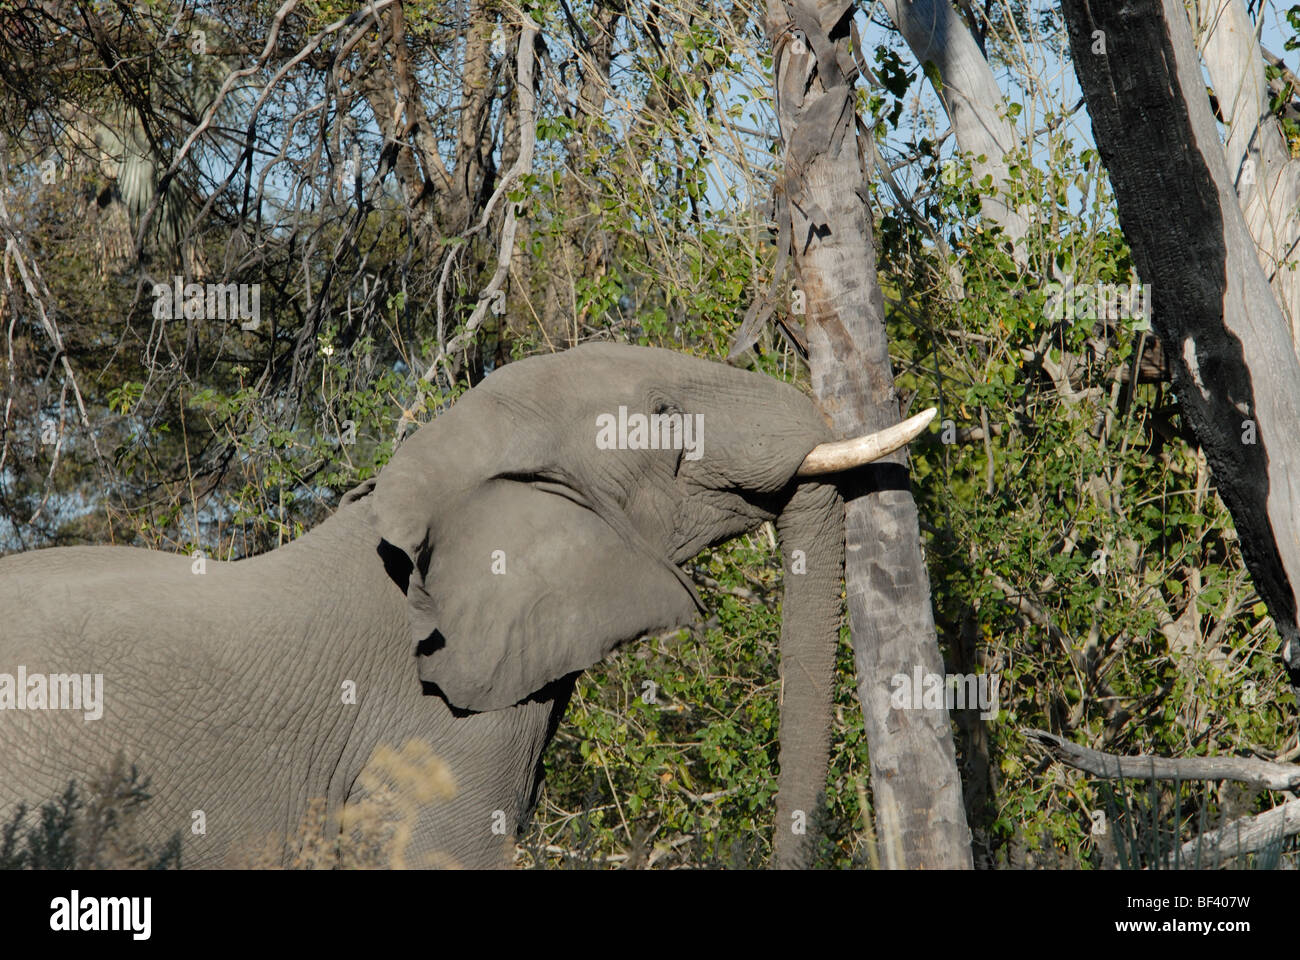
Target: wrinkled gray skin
{"x":226,"y":687}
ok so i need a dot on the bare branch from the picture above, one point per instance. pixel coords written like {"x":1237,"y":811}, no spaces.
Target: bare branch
{"x":1243,"y":835}
{"x":1272,"y":776}
{"x":524,"y":165}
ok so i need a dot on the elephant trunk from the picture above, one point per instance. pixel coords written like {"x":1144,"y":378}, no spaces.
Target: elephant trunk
{"x":811,"y":530}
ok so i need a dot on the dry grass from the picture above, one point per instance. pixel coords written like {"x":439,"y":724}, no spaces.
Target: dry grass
{"x":373,"y":832}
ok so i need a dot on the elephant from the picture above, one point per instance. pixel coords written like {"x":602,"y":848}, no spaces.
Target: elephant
{"x":508,"y":544}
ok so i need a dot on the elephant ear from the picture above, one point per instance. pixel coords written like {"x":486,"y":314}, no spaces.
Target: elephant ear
{"x":520,"y":584}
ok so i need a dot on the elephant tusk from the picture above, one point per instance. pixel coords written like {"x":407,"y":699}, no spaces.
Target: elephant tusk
{"x":840,"y":455}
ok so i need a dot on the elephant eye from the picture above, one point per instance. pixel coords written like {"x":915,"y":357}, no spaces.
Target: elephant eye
{"x":658,"y":403}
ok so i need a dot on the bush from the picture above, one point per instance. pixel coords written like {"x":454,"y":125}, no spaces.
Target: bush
{"x":95,"y":828}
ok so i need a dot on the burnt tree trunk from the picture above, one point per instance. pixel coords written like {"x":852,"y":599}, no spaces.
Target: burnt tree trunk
{"x":822,"y":200}
{"x":1236,"y":376}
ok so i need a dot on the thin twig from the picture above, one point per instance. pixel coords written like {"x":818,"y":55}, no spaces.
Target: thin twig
{"x":523,"y":165}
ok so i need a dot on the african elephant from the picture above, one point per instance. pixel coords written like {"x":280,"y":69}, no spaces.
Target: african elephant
{"x":508,"y":544}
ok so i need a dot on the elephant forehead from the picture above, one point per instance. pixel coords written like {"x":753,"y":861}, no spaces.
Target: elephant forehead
{"x":602,"y":371}
{"x":600,"y":379}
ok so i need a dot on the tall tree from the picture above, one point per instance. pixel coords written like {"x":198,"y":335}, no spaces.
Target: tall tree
{"x":823,"y":214}
{"x":970,"y":95}
{"x":1235,"y":373}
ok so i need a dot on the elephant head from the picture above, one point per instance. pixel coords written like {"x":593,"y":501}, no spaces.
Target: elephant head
{"x":541,"y":521}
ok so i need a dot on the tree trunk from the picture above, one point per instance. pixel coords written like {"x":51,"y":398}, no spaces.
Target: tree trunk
{"x":914,"y":781}
{"x":1234,"y":370}
{"x":1266,"y":175}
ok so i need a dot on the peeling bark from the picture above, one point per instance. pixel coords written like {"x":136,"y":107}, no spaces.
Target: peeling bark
{"x":915,"y":783}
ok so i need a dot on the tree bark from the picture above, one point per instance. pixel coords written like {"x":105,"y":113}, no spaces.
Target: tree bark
{"x":474,"y":175}
{"x":1243,"y":835}
{"x":1234,"y":369}
{"x":914,"y":781}
{"x":1266,"y":176}
{"x":973,"y":101}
